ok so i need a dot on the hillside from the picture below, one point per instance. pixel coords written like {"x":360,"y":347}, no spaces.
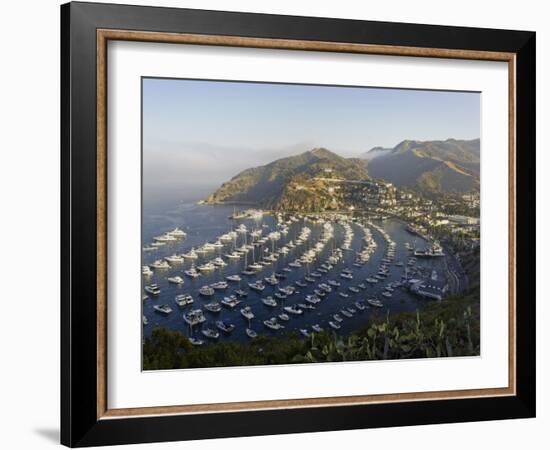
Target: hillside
{"x":300,"y":182}
{"x":375,"y":153}
{"x":429,"y":166}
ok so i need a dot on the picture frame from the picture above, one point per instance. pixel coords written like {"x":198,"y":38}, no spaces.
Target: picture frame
{"x":86,"y":418}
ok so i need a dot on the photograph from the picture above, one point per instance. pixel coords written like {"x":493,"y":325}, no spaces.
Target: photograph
{"x":299,"y":223}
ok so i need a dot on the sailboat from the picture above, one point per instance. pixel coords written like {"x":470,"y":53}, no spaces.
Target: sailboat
{"x":247,"y":270}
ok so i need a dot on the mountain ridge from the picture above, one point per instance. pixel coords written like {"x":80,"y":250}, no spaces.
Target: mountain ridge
{"x":431,"y":167}
{"x":306,"y":181}
{"x":289,"y":181}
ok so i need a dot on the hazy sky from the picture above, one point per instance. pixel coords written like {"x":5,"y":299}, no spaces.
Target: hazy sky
{"x":197,"y":134}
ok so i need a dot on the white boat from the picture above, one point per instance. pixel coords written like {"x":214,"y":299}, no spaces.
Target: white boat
{"x":374,"y":302}
{"x":346,"y":275}
{"x":272,"y":280}
{"x":152,"y":289}
{"x":231,"y":301}
{"x":313,"y":299}
{"x":213,"y":307}
{"x":304,"y":332}
{"x":192,"y":272}
{"x":165,"y":238}
{"x":251,"y":333}
{"x":146,"y":271}
{"x":210,"y":333}
{"x":145,"y":320}
{"x":269,"y":301}
{"x":226,"y":327}
{"x":346,"y":313}
{"x":218,"y":262}
{"x":194,"y":317}
{"x":176,"y":280}
{"x":273,"y":324}
{"x":360,"y":305}
{"x":220,"y":285}
{"x":196,"y":341}
{"x":334,"y":325}
{"x":287,"y":290}
{"x":163,"y":309}
{"x":293,"y":310}
{"x":247,"y":312}
{"x":233,"y":278}
{"x":257,"y":286}
{"x":387,"y":294}
{"x":175,"y":259}
{"x":183,"y":300}
{"x":208,"y":267}
{"x":192,"y":254}
{"x":176,"y":232}
{"x":338,"y":318}
{"x":317,"y":328}
{"x":160,"y":264}
{"x":233,"y":255}
{"x":207,"y":291}
{"x":284,"y":317}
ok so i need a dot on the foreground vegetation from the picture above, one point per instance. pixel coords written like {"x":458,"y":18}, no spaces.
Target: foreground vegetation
{"x":447,"y":328}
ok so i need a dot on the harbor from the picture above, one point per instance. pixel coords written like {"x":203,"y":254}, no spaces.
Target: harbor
{"x":215,"y":273}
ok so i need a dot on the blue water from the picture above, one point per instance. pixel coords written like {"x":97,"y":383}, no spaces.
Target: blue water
{"x":206,"y":223}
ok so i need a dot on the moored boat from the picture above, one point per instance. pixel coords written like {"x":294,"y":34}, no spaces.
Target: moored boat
{"x":174,"y":259}
{"x":213,"y":307}
{"x":206,"y":291}
{"x":257,"y":286}
{"x":374,"y":302}
{"x":224,"y":326}
{"x":152,"y":289}
{"x":231,"y":301}
{"x":194,"y":317}
{"x":176,"y":280}
{"x":160,"y":264}
{"x":210,"y":333}
{"x":183,"y":300}
{"x":247,"y":312}
{"x":273,"y":324}
{"x":251,"y":333}
{"x":163,"y":309}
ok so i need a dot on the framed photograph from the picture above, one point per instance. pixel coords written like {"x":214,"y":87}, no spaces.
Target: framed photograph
{"x":277,"y":224}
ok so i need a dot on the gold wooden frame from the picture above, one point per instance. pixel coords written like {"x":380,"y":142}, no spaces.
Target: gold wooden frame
{"x":103,"y":36}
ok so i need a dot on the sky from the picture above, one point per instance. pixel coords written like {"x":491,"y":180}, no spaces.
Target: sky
{"x":197,"y":134}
